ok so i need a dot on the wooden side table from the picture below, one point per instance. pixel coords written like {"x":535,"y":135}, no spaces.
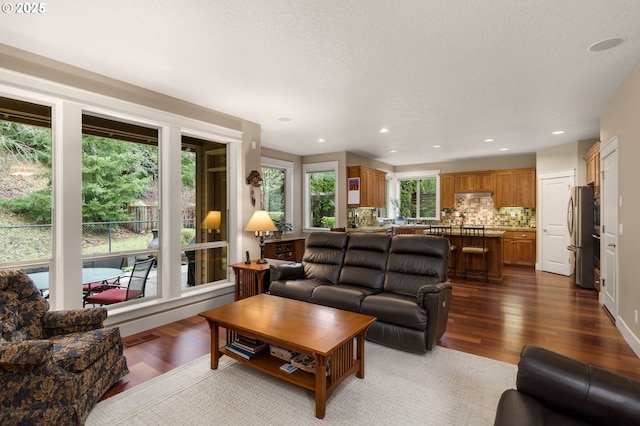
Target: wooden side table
{"x":250,"y":277}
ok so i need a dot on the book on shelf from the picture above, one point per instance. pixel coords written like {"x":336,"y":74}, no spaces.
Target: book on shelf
{"x":250,"y":346}
{"x":241,"y":352}
{"x":308,"y":364}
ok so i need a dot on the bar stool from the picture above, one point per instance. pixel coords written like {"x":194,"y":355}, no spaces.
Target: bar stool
{"x":445,"y":231}
{"x":473,"y":244}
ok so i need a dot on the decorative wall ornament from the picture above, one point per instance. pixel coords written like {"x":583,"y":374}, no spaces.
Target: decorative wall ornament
{"x":255,"y":180}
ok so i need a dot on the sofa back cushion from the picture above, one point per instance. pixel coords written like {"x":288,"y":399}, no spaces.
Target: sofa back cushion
{"x":365,"y":260}
{"x":415,"y":260}
{"x":323,"y":256}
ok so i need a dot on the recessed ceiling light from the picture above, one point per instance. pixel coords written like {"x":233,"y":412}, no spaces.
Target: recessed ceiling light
{"x":393,"y":151}
{"x":488,"y":140}
{"x":437,"y":146}
{"x":558,"y":132}
{"x":504,"y":149}
{"x":384,"y":130}
{"x":321,"y":140}
{"x":606,"y":44}
{"x":285,"y":119}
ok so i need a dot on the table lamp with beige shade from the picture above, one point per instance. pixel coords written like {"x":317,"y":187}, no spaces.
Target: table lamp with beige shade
{"x":260,"y":224}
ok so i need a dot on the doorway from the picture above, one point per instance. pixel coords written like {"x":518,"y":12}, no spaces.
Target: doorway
{"x":555,"y":194}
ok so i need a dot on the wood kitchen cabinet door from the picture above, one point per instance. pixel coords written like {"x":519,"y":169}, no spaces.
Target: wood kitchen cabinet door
{"x":515,"y":188}
{"x":447,"y":191}
{"x":520,"y":248}
{"x":524,"y":182}
{"x":474,"y":182}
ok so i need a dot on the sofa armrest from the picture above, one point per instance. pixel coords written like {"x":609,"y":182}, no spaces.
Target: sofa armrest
{"x":287,"y":271}
{"x":18,"y":355}
{"x":577,"y":389}
{"x":73,"y":320}
{"x":435,"y":299}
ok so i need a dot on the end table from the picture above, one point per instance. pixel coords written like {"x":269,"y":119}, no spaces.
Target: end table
{"x":250,"y":277}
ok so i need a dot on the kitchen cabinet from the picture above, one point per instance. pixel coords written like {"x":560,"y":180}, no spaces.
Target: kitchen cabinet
{"x":372,"y":186}
{"x":593,"y":169}
{"x":474,"y":182}
{"x":447,"y":191}
{"x":515,"y":188}
{"x":520,"y":248}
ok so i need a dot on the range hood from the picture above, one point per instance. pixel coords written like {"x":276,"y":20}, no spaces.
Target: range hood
{"x":468,"y":195}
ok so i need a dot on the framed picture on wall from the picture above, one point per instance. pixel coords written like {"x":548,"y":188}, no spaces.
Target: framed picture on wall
{"x":353,"y":196}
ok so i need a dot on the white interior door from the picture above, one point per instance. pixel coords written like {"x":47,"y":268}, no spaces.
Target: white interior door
{"x":609,"y":232}
{"x":556,"y":192}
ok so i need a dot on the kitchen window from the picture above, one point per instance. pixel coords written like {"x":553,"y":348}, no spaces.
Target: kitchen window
{"x":419,"y":197}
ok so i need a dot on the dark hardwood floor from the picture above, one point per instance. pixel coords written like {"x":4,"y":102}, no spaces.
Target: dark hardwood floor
{"x":490,"y":320}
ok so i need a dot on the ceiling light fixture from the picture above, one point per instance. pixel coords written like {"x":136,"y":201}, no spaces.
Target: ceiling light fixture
{"x":605,"y":44}
{"x":285,"y":118}
{"x":384,"y":130}
{"x":558,"y":132}
{"x":393,"y":151}
{"x":489,"y":140}
{"x":504,"y":149}
{"x":437,"y":146}
{"x":321,"y":140}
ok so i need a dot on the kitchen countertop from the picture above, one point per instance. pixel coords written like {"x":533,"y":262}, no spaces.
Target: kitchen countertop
{"x":491,"y":230}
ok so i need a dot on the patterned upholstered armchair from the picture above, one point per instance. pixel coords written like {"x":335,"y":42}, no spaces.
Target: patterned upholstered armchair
{"x":54,"y":365}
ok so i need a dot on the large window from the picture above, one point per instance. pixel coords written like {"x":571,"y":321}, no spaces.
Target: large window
{"x":419,"y":198}
{"x":321,"y":207}
{"x":204,"y":211}
{"x":120,"y":195}
{"x":25,"y":185}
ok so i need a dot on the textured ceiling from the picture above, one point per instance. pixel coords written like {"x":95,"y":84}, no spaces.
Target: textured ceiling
{"x":450,"y":73}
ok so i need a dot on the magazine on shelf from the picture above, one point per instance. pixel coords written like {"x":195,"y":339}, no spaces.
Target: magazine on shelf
{"x":307,"y":363}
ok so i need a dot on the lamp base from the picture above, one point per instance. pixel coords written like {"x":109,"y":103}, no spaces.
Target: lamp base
{"x":261,"y":260}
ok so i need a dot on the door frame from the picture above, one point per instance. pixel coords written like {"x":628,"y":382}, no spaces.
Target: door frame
{"x":570,"y":173}
{"x":611,"y":148}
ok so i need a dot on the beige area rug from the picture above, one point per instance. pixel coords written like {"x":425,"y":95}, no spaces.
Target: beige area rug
{"x":443,"y":387}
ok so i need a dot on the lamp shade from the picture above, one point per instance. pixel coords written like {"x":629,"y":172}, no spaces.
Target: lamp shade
{"x":212,"y":221}
{"x":260,"y":221}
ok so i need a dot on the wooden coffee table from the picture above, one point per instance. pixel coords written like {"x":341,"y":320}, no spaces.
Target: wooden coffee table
{"x":315,"y":330}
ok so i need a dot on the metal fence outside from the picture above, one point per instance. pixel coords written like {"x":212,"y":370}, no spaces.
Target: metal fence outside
{"x":24,"y":243}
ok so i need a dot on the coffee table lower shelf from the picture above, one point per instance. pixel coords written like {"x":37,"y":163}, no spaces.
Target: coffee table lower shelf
{"x":271,"y":365}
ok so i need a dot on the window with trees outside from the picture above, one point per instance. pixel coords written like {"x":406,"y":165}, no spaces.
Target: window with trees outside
{"x":273,"y":192}
{"x":320,"y":197}
{"x":25,"y":187}
{"x":418,"y":197}
{"x":120,"y":190}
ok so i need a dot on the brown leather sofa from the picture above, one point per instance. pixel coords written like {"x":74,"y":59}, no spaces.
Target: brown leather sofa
{"x":400,"y":280}
{"x":553,"y":389}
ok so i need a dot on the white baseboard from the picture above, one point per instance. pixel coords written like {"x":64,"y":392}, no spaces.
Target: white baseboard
{"x":170,"y":314}
{"x":628,"y":335}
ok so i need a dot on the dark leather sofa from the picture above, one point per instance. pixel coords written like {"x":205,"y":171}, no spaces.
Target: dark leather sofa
{"x":400,"y":280}
{"x":553,"y":389}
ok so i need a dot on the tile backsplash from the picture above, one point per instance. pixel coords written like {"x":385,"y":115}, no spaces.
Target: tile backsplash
{"x":481,"y":211}
{"x":478,"y":211}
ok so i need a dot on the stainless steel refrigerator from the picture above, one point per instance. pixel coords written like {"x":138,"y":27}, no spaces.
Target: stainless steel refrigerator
{"x":580,"y":226}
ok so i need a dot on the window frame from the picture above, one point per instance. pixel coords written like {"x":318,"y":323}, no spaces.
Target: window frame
{"x":287,"y":166}
{"x":327,"y":166}
{"x":418,"y":175}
